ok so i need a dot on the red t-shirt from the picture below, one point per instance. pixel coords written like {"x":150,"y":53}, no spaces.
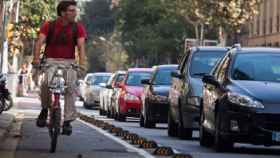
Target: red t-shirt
{"x":62,"y":47}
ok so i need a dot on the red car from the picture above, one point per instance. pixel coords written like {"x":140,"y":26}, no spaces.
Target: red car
{"x":129,"y":100}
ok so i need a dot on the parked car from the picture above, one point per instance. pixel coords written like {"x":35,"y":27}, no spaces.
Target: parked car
{"x":104,"y":94}
{"x":92,"y":89}
{"x":108,"y":92}
{"x":129,"y":101}
{"x":186,"y":90}
{"x":241,"y":99}
{"x":82,"y":85}
{"x":155,"y":103}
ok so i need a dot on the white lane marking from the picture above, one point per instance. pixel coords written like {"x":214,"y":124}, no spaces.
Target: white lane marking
{"x":122,"y":142}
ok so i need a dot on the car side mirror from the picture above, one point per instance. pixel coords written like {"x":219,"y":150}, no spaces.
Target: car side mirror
{"x":176,"y":74}
{"x":210,"y":80}
{"x":88,"y":82}
{"x":109,"y":86}
{"x":145,"y":81}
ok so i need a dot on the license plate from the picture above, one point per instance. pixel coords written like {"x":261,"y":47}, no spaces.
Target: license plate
{"x":276,"y":136}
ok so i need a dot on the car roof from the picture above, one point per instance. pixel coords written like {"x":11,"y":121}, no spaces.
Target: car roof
{"x":140,"y":70}
{"x":102,"y":73}
{"x":167,"y":66}
{"x":257,"y":50}
{"x":120,"y":72}
{"x":210,"y":48}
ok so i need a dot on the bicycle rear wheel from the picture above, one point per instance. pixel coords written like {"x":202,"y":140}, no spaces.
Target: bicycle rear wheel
{"x":54,"y":128}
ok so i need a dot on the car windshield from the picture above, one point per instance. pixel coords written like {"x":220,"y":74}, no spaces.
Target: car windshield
{"x":134,"y":78}
{"x":203,"y":62}
{"x":163,"y":77}
{"x":95,"y":80}
{"x":120,"y":77}
{"x":257,"y":67}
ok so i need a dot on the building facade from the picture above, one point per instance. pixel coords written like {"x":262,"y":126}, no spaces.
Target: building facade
{"x":264,"y":29}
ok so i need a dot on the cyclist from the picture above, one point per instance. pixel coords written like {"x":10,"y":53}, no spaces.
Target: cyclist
{"x":61,"y":36}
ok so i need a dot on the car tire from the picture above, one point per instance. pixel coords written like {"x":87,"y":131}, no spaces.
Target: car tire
{"x":86,"y":105}
{"x":147,"y":122}
{"x":172,"y":126}
{"x":205,"y":138}
{"x":141,"y":122}
{"x":221,"y":143}
{"x":184,"y":133}
{"x":121,"y":118}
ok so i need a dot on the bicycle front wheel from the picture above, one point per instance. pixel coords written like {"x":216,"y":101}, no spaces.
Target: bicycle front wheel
{"x":54,"y":128}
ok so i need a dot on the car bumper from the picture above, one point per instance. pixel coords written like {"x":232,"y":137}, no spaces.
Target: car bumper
{"x":254,"y":128}
{"x":131,"y":109}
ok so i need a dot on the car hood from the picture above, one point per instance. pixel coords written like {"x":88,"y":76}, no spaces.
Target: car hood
{"x":135,"y":90}
{"x":267,"y":92}
{"x":196,"y":87}
{"x":162,"y":90}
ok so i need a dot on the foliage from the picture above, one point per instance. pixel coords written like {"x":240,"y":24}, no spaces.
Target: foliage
{"x":149,"y":33}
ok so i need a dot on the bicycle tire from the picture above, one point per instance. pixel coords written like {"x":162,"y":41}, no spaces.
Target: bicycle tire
{"x":54,"y":128}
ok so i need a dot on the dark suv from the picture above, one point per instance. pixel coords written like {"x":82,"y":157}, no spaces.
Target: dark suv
{"x":186,"y":90}
{"x":241,"y":99}
{"x":155,"y":97}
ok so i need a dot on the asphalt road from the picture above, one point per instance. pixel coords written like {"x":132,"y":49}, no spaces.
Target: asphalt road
{"x":159,"y":134}
{"x":28,"y":141}
{"x":25,"y":140}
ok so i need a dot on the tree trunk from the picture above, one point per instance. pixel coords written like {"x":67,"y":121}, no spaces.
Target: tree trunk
{"x":222,"y":36}
{"x":201,"y":34}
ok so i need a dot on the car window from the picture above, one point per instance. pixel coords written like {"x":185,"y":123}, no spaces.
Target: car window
{"x":111,"y":79}
{"x":120,"y":78}
{"x":256,"y":67}
{"x":99,"y":79}
{"x":203,"y":62}
{"x":162,"y":77}
{"x":223,"y":69}
{"x":134,"y":78}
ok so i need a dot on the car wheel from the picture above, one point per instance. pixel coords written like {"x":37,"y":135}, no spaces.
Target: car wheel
{"x":121,"y":118}
{"x":86,"y":105}
{"x":172,"y":126}
{"x":148,"y":123}
{"x":205,"y":138}
{"x":184,"y":133}
{"x":222,"y":143}
{"x":141,"y":122}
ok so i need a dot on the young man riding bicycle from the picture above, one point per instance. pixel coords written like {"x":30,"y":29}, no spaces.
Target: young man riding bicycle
{"x":61,"y":36}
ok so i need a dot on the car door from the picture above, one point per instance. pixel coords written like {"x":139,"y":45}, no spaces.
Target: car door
{"x":213,"y":92}
{"x":176,"y":88}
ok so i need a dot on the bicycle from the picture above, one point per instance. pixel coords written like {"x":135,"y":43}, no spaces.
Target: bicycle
{"x":57,"y":88}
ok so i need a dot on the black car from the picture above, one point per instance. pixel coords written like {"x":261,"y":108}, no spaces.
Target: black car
{"x":155,"y":97}
{"x":241,"y":100}
{"x":186,"y":90}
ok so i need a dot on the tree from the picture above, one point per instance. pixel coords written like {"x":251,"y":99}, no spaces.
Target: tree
{"x":149,"y":33}
{"x":227,"y":14}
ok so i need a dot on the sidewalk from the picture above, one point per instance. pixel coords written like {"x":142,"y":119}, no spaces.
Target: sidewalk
{"x":6,"y":121}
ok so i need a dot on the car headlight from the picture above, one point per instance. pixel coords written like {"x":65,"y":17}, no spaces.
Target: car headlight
{"x":130,"y":97}
{"x":244,"y":100}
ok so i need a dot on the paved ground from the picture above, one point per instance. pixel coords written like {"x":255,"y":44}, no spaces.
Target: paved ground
{"x":192,"y":147}
{"x":27,"y":141}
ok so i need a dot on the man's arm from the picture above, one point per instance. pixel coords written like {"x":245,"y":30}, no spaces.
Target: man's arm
{"x":81,"y":51}
{"x":41,"y":40}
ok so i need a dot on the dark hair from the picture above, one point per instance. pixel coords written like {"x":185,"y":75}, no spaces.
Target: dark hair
{"x":63,"y":5}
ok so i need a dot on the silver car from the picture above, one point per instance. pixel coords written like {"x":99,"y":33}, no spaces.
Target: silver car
{"x":92,"y":88}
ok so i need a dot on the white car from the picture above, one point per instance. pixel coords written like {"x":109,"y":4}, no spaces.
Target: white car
{"x":92,"y":88}
{"x":82,"y":85}
{"x":106,"y":96}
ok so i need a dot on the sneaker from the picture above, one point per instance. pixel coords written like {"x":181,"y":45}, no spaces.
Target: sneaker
{"x":67,"y":128}
{"x":42,"y":118}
